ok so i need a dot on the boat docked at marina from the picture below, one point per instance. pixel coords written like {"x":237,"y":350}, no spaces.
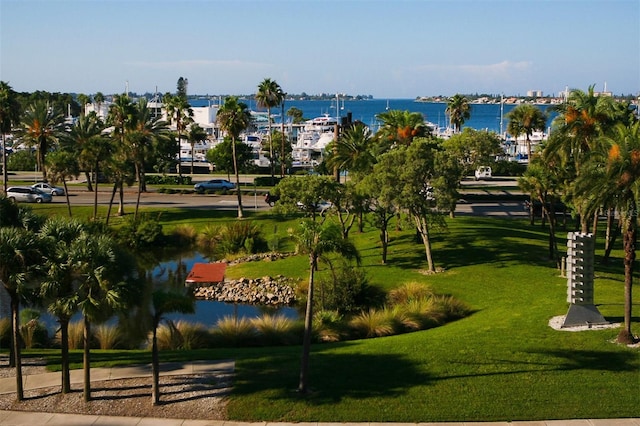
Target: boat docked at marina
{"x":312,"y":140}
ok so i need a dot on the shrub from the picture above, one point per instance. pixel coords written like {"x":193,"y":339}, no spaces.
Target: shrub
{"x":508,"y":168}
{"x":23,"y":159}
{"x":328,"y":326}
{"x":451,"y":308}
{"x":168,"y":180}
{"x":183,"y":235}
{"x":266,"y":181}
{"x":232,"y":238}
{"x":140,"y":232}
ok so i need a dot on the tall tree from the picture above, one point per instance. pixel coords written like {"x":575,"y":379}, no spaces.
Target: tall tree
{"x":20,"y":255}
{"x":179,"y":112}
{"x":316,"y":240}
{"x":144,"y":129}
{"x":41,"y":127}
{"x":613,"y":173}
{"x":9,"y":117}
{"x":234,"y":117}
{"x":63,"y":165}
{"x":269,"y":95}
{"x":524,"y":120}
{"x":121,"y":116}
{"x":459,"y":111}
{"x":78,"y":141}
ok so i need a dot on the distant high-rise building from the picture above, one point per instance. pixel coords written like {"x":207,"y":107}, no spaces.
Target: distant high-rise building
{"x":535,"y":94}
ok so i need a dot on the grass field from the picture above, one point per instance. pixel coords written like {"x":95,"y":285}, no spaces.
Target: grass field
{"x":503,"y":362}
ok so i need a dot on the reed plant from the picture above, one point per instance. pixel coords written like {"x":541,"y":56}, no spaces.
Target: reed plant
{"x":208,"y":237}
{"x":183,"y":235}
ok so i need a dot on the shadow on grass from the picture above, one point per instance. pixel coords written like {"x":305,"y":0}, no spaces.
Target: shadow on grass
{"x":554,"y":360}
{"x":333,"y":376}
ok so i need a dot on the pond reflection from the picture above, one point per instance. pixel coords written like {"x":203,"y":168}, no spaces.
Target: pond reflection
{"x":168,"y":269}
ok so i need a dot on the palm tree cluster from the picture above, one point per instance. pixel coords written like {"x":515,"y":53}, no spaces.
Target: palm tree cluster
{"x":591,"y":162}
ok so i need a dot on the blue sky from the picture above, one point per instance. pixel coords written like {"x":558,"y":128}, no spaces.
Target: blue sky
{"x":389,"y":49}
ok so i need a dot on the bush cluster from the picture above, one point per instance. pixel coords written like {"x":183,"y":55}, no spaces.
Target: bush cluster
{"x":168,"y":180}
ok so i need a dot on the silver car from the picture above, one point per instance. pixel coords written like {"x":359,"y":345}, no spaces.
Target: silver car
{"x":45,"y":187}
{"x":27,"y":194}
{"x":214,"y":184}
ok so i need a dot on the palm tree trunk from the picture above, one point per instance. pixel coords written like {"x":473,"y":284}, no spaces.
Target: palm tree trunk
{"x":235,"y":169}
{"x":303,"y":386}
{"x":121,"y":198}
{"x":95,"y":196}
{"x":113,"y":195}
{"x":630,"y":238}
{"x":17,"y":358}
{"x":135,"y":214}
{"x":87,"y":359}
{"x":64,"y":355}
{"x":155,"y":367}
{"x":66,"y":196}
{"x":283,"y":152}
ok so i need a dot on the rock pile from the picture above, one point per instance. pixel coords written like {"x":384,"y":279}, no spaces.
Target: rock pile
{"x":266,"y":257}
{"x":275,"y":291}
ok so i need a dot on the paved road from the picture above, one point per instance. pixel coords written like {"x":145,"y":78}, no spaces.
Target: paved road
{"x":78,"y":195}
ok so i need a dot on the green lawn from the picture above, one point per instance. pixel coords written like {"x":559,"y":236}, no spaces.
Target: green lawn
{"x":501,"y":363}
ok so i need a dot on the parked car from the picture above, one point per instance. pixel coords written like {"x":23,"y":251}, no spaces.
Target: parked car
{"x":321,"y":207}
{"x":213,"y":184}
{"x":45,"y":187}
{"x":27,"y":194}
{"x":483,"y":172}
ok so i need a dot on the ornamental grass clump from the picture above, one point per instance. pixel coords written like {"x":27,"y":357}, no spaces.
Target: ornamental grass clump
{"x":107,"y":335}
{"x":329,"y":326}
{"x":181,"y":335}
{"x":274,"y":330}
{"x":230,"y":331}
{"x":76,"y":333}
{"x":372,"y":323}
{"x":183,"y":235}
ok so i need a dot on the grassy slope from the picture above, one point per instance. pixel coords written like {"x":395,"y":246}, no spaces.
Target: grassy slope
{"x":501,"y":363}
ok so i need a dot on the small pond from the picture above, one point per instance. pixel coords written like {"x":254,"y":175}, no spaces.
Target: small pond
{"x":172,"y":272}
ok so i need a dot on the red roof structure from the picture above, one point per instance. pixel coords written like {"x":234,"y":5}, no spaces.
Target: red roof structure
{"x":206,"y":273}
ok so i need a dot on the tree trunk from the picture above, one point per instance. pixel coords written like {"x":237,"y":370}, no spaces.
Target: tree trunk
{"x":66,"y":196}
{"x":86,"y":341}
{"x":121,"y":199}
{"x":423,"y":228}
{"x":155,"y":367}
{"x":235,"y":169}
{"x":87,"y":175}
{"x":64,"y":355}
{"x":630,"y":237}
{"x":95,"y":196}
{"x":384,"y":240}
{"x":303,"y":386}
{"x":283,"y":153}
{"x":17,"y":342}
{"x":135,"y":214}
{"x":113,"y":195}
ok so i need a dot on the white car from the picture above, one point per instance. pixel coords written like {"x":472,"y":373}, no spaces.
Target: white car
{"x":48,"y":189}
{"x":27,"y":194}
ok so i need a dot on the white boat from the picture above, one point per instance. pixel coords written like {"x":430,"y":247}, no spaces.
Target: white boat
{"x":312,"y":140}
{"x":254,"y":140}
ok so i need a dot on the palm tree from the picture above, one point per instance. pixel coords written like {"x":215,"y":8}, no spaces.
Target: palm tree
{"x":20,"y":255}
{"x":234,"y":117}
{"x":83,"y":100}
{"x":98,"y":98}
{"x":458,"y":110}
{"x":121,"y":116}
{"x":61,"y":276}
{"x":78,"y":141}
{"x":9,"y":117}
{"x":144,"y":129}
{"x":612,"y":175}
{"x":41,"y":126}
{"x":580,"y":125}
{"x":196,"y":134}
{"x":101,"y":270}
{"x":317,"y":240}
{"x":269,"y":95}
{"x":180,"y":112}
{"x":524,"y":120}
{"x":399,"y":128}
{"x":353,"y":150}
